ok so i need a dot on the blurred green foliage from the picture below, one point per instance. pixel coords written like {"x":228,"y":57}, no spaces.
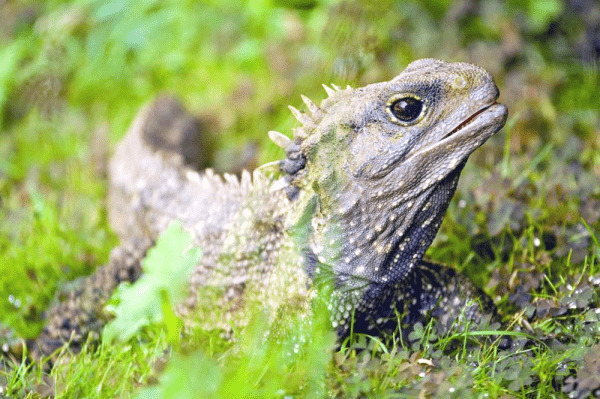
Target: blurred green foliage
{"x":10,"y":57}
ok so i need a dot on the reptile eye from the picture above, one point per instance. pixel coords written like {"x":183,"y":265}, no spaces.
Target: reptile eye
{"x":406,"y":108}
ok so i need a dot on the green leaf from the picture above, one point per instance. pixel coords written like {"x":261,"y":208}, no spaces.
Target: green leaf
{"x":167,"y":267}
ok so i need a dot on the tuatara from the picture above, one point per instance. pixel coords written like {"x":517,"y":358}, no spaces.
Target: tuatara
{"x":359,"y":197}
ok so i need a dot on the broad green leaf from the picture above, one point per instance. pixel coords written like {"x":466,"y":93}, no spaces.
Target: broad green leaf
{"x":150,"y":299}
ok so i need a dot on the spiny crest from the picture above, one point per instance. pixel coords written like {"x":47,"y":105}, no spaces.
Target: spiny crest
{"x":269,"y":166}
{"x":303,"y":118}
{"x":209,"y":180}
{"x":295,"y":159}
{"x":280,"y":140}
{"x":247,"y":180}
{"x":308,"y":120}
{"x":336,"y":88}
{"x":329,"y":90}
{"x":312,"y":107}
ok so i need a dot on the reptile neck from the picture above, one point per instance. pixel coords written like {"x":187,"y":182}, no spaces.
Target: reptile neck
{"x":376,"y":237}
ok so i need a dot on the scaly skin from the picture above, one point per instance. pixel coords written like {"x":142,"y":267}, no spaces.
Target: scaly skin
{"x":366,"y":182}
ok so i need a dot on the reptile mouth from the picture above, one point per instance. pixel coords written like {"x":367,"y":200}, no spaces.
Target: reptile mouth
{"x":469,"y":120}
{"x":457,"y":144}
{"x":468,"y":135}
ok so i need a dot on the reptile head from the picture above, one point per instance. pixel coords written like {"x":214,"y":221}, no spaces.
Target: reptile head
{"x":377,"y":166}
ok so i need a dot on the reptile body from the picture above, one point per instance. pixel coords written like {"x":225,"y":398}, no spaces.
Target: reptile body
{"x":363,"y":189}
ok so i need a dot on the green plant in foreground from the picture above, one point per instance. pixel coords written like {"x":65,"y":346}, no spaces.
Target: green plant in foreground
{"x":150,"y":299}
{"x":262,"y":365}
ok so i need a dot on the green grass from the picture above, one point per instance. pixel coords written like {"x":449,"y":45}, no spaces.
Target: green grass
{"x":523,"y":224}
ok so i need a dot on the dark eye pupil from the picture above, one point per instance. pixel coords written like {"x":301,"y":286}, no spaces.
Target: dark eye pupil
{"x":407,"y":109}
